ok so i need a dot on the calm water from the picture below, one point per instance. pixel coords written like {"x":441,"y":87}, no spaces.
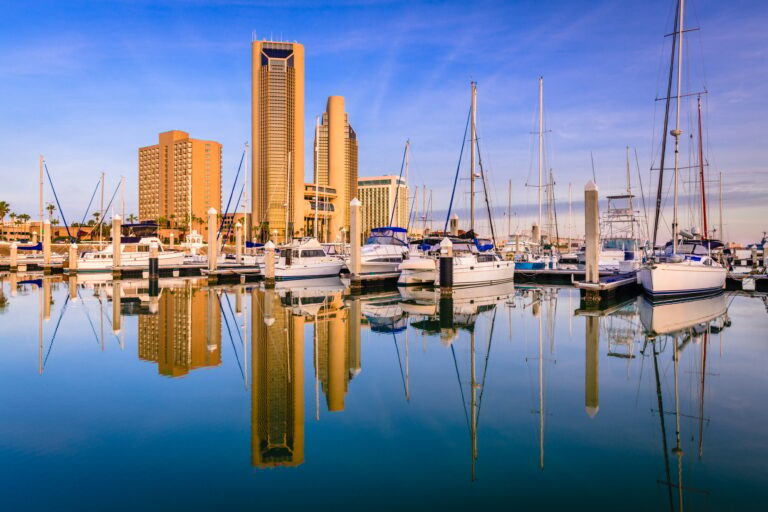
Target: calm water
{"x":504,"y":398}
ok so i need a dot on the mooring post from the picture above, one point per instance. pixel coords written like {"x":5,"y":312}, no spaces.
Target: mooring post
{"x":14,"y":256}
{"x":355,"y":207}
{"x":446,"y":266}
{"x":454,"y":225}
{"x":592,"y":369}
{"x":239,"y":243}
{"x":536,"y":237}
{"x":269,"y":264}
{"x":47,"y":242}
{"x":592,"y":239}
{"x":117,"y":235}
{"x":72,"y":261}
{"x":213,"y":242}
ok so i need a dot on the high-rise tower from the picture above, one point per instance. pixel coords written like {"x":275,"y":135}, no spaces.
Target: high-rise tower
{"x":277,"y":134}
{"x":336,"y":163}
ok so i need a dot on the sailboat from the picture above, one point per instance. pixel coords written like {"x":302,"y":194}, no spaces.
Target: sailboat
{"x":535,"y":259}
{"x":477,"y":261}
{"x":686,"y":269}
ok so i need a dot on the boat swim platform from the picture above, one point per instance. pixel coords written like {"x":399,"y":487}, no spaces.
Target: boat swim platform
{"x":556,"y":275}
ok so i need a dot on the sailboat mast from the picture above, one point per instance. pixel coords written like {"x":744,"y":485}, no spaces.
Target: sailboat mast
{"x":629,"y":199}
{"x":101,"y":208}
{"x":541,"y":144}
{"x":677,"y":132}
{"x":570,"y":215}
{"x":509,"y":210}
{"x":659,"y":189}
{"x":473,"y":140}
{"x":246,"y":224}
{"x":41,"y":197}
{"x":701,"y":178}
{"x":722,"y":235}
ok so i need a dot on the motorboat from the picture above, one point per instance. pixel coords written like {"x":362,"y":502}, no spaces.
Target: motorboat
{"x":475,"y":263}
{"x":132,"y":255}
{"x":383,"y":252}
{"x":306,"y":259}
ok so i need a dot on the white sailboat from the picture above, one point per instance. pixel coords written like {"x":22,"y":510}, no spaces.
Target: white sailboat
{"x":476,"y":262}
{"x":686,"y":270}
{"x":536,"y":259}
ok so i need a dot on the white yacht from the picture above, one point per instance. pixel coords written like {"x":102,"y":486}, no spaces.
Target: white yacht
{"x":132,"y":255}
{"x":420,"y":266}
{"x":383,"y":252}
{"x":472,"y":266}
{"x":306,"y":259}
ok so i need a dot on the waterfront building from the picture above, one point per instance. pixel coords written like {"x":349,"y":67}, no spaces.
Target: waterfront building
{"x":185,"y":334}
{"x":277,"y":133}
{"x":336,"y":166}
{"x":378,"y":195}
{"x":179,"y":180}
{"x":277,"y":389}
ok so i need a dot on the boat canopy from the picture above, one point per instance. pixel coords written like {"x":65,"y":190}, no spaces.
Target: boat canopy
{"x":388,"y":235}
{"x":36,"y":247}
{"x":482,"y":244}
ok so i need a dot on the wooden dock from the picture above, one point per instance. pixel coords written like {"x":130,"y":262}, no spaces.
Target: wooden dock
{"x":609,"y":287}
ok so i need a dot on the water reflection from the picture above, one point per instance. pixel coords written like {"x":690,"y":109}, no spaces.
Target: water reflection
{"x":486,"y":345}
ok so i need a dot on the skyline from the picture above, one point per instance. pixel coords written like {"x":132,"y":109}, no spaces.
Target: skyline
{"x":186,"y":66}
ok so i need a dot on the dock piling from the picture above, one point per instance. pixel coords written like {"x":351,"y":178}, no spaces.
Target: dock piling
{"x":355,"y":207}
{"x":154,"y":267}
{"x":446,"y":267}
{"x":14,"y":256}
{"x":117,"y":235}
{"x":592,"y":238}
{"x":72,"y":261}
{"x":213,"y":244}
{"x":269,"y":264}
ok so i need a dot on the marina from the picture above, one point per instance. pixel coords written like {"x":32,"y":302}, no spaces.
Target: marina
{"x":383,"y":255}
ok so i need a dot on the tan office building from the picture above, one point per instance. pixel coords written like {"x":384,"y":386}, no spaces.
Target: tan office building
{"x":277,"y":388}
{"x":185,"y":334}
{"x":277,"y":132}
{"x":336,"y":166}
{"x":378,"y":194}
{"x":179,"y":180}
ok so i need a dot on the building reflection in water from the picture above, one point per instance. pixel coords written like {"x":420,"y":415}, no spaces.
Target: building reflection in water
{"x":277,"y":385}
{"x":184,"y":334}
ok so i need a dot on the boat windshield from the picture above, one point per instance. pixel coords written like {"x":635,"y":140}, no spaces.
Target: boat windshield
{"x":620,"y":244}
{"x":387,"y":236}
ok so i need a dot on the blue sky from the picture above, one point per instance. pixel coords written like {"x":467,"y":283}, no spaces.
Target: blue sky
{"x":87,"y":83}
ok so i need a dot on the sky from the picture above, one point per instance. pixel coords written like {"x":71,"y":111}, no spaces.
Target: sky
{"x":88,"y":83}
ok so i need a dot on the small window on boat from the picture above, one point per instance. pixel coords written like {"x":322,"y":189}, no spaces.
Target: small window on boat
{"x":312,"y":253}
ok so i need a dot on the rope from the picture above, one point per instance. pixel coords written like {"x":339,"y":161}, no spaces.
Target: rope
{"x":458,"y":167}
{"x":232,"y":191}
{"x":53,"y":337}
{"x":56,"y":197}
{"x":397,"y":186}
{"x":85,"y":214}
{"x":232,"y":341}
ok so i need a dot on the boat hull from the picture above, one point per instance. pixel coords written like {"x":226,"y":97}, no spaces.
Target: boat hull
{"x":681,"y":279}
{"x":471,"y":273}
{"x":165,"y":259}
{"x":417,"y":271}
{"x":308,"y":271}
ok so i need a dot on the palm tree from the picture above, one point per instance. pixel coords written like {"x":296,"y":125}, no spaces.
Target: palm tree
{"x":51,"y":208}
{"x":5,"y":209}
{"x":131,"y":218}
{"x":54,"y":222}
{"x":24,"y":218}
{"x":96,"y":215}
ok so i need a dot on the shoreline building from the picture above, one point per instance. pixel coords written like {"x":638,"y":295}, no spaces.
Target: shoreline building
{"x":335,"y":168}
{"x":277,"y":135}
{"x":378,"y":193}
{"x":179,"y":180}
